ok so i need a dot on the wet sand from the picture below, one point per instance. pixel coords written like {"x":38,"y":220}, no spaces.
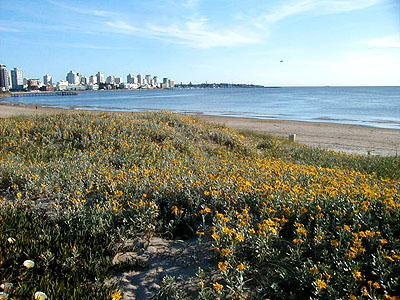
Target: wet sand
{"x":337,"y":137}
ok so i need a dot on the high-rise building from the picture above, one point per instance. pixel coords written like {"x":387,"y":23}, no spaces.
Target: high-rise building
{"x":165,"y":81}
{"x":100,"y":78}
{"x":79,"y":77}
{"x":119,"y":80}
{"x":73,"y":78}
{"x":17,"y":79}
{"x":140,"y":79}
{"x":131,"y":78}
{"x":155,"y":80}
{"x":85,"y":80}
{"x":4,"y":79}
{"x":93,"y":79}
{"x":111,"y":79}
{"x":148,"y":79}
{"x":47,"y":80}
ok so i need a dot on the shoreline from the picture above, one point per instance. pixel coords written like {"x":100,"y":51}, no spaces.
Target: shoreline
{"x":352,"y":139}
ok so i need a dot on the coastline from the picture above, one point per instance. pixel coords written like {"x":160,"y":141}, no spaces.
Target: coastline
{"x":352,"y":139}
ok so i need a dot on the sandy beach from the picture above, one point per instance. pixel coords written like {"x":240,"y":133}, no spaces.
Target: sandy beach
{"x":337,"y":137}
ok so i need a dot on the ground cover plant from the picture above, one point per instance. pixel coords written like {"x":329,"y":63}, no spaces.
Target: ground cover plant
{"x":286,"y":221}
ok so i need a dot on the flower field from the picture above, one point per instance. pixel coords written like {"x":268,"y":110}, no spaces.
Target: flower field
{"x":286,"y":221}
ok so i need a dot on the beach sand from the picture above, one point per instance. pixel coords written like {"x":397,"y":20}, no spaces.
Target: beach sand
{"x":352,"y":139}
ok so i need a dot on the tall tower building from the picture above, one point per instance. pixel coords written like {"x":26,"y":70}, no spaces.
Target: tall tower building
{"x":73,"y":78}
{"x":47,"y":80}
{"x":111,"y":79}
{"x":131,"y":78}
{"x":17,"y":79}
{"x":148,"y":79}
{"x":100,"y":78}
{"x":140,"y":79}
{"x":4,"y":79}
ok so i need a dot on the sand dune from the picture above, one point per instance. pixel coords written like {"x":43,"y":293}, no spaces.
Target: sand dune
{"x":332,"y":136}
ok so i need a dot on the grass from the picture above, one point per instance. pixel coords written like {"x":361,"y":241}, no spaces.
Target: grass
{"x":286,"y":221}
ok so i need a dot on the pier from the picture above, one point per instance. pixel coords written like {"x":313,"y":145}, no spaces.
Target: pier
{"x":44,"y":94}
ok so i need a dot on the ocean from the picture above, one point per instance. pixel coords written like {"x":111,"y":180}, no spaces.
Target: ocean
{"x":368,"y":106}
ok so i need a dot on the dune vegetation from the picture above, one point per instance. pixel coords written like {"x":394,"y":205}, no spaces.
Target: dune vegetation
{"x":286,"y":221}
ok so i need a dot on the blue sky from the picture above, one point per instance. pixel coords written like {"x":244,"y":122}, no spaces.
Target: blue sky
{"x":321,"y":42}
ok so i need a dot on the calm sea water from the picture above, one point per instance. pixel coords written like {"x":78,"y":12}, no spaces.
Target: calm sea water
{"x":369,"y":106}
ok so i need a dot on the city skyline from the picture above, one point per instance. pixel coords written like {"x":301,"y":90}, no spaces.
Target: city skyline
{"x":284,"y":43}
{"x":15,"y":81}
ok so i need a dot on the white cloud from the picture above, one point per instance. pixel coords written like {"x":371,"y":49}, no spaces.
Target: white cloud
{"x":316,"y":7}
{"x":191,"y":3}
{"x":193,"y":33}
{"x":386,"y":41}
{"x":7,"y":29}
{"x":88,"y":46}
{"x":92,"y":12}
{"x":123,"y":27}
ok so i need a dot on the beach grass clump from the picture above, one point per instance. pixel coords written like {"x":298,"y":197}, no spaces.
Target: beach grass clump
{"x":286,"y":221}
{"x":65,"y":258}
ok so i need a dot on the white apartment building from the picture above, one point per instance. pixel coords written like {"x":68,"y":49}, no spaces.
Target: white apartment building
{"x":17,"y":79}
{"x":92,"y":79}
{"x":92,"y":87}
{"x":129,"y":86}
{"x":62,"y":85}
{"x":5,"y":82}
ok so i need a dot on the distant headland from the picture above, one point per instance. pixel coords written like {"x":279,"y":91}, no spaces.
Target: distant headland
{"x":218,"y":85}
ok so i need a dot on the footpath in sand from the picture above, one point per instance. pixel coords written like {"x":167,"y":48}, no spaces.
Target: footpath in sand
{"x":353,"y":139}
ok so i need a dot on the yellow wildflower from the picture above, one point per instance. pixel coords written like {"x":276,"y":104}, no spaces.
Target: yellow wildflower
{"x":357,"y":274}
{"x":215,"y":236}
{"x":218,"y":286}
{"x":222,"y":265}
{"x":239,"y":237}
{"x":302,"y":230}
{"x":335,"y":243}
{"x":298,"y":241}
{"x":116,"y":296}
{"x":225,"y":252}
{"x":322,"y":284}
{"x":376,"y":285}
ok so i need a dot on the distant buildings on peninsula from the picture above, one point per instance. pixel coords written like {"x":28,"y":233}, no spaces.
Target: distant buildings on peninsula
{"x":74,"y":81}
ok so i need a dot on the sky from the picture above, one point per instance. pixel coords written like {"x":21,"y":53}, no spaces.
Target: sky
{"x":267,"y":42}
